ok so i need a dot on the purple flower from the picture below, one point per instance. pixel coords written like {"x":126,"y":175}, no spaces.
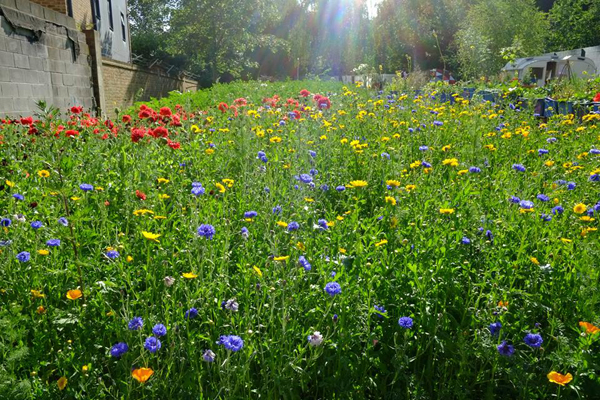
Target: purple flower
{"x":191,"y":313}
{"x":505,"y":349}
{"x":495,"y":328}
{"x":558,"y":210}
{"x":543,"y":197}
{"x":23,"y":256}
{"x":333,"y":288}
{"x":293,"y":226}
{"x":119,"y":349}
{"x":18,"y":196}
{"x":303,"y":262}
{"x":571,"y":185}
{"x":322,"y":224}
{"x":465,"y":240}
{"x":514,"y":199}
{"x":197,"y":189}
{"x":519,"y":167}
{"x":474,"y":170}
{"x":152,"y":344}
{"x":541,"y":152}
{"x":207,"y":231}
{"x":63,"y":221}
{"x":159,"y":330}
{"x":313,"y":154}
{"x":277,"y":210}
{"x":112,"y":254}
{"x":209,"y":356}
{"x":405,"y":322}
{"x":136,"y":324}
{"x":423,"y":148}
{"x":340,"y":188}
{"x":533,"y":339}
{"x":86,"y":187}
{"x":244,"y":232}
{"x":53,"y":243}
{"x":380,"y":310}
{"x":231,"y":342}
{"x":36,"y":224}
{"x":250,"y":214}
{"x":526,"y":204}
{"x":305,"y":178}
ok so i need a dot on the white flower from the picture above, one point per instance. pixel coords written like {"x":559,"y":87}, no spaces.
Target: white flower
{"x":169,"y":281}
{"x":315,"y":339}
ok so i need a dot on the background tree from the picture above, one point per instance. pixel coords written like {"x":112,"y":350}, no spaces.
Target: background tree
{"x":574,"y":24}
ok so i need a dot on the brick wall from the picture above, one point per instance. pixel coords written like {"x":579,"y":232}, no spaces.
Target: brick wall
{"x":82,"y":14}
{"x":47,"y":68}
{"x":56,"y":5}
{"x":126,"y":83}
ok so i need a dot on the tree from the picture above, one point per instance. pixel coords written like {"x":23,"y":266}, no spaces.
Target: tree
{"x":494,"y":28}
{"x":574,"y":24}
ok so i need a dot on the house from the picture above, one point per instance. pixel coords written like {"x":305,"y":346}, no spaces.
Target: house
{"x":539,"y":70}
{"x":108,"y":17}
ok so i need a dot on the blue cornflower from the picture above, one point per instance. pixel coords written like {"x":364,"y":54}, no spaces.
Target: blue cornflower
{"x":340,"y":188}
{"x":152,"y":344}
{"x":333,"y":288}
{"x":231,"y":342}
{"x":533,"y":339}
{"x":561,"y":182}
{"x":558,"y":210}
{"x":312,"y":153}
{"x":53,"y":243}
{"x":543,"y":197}
{"x":571,"y":185}
{"x":314,"y":172}
{"x":405,"y":322}
{"x":207,"y":231}
{"x":86,"y":187}
{"x":514,"y":199}
{"x":495,"y":328}
{"x":385,"y":155}
{"x":159,"y":330}
{"x":489,"y":235}
{"x":244,"y":232}
{"x":250,"y":214}
{"x":112,"y":254}
{"x":381,"y":310}
{"x":322,"y":224}
{"x":438,"y":123}
{"x":546,"y":217}
{"x":423,"y":148}
{"x":262,"y":156}
{"x":18,"y":196}
{"x":425,"y":164}
{"x":324,"y":187}
{"x":541,"y":152}
{"x":209,"y":356}
{"x":63,"y":221}
{"x":519,"y":167}
{"x":526,"y":204}
{"x":119,"y":349}
{"x":551,"y":140}
{"x":505,"y":349}
{"x":23,"y":256}
{"x":304,"y":263}
{"x":305,"y":178}
{"x":5,"y":222}
{"x":36,"y":224}
{"x":191,"y":313}
{"x":276,"y":209}
{"x":474,"y":170}
{"x":293,"y":226}
{"x":135,"y":324}
{"x":594,"y":178}
{"x":465,"y":240}
{"x":594,"y":151}
{"x":197,"y":189}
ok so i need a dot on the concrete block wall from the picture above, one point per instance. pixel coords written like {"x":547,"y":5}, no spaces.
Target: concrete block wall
{"x":126,"y":83}
{"x":45,"y":69}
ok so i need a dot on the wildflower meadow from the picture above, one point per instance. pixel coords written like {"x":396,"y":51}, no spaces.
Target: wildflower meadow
{"x":300,"y":240}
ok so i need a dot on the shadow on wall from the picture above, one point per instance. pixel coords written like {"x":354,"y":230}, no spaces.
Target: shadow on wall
{"x":107,"y":44}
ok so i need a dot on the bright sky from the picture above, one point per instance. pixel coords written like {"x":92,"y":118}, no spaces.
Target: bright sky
{"x":372,"y":6}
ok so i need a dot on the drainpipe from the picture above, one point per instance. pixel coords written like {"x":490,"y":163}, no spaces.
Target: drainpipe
{"x":70,"y":8}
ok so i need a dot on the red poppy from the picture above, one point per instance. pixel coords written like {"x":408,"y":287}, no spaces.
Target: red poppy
{"x":324,"y":103}
{"x":597,"y":97}
{"x":76,"y":109}
{"x":173,"y":145}
{"x":27,"y":121}
{"x":241,"y":101}
{"x":71,"y":132}
{"x":144,"y":114}
{"x":161,"y":131}
{"x":126,"y":118}
{"x":296,"y":114}
{"x":234,"y":109}
{"x":140,"y":195}
{"x":304,"y":93}
{"x":317,"y":97}
{"x":223,"y":107}
{"x":137,"y":134}
{"x":175,"y":121}
{"x":104,"y":137}
{"x":165,"y":112}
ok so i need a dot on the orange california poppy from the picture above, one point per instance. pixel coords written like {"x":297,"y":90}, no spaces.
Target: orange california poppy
{"x":559,"y":379}
{"x":589,"y":328}
{"x":142,"y":374}
{"x":74,"y":294}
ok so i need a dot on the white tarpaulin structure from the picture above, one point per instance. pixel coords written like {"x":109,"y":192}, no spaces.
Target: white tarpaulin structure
{"x":539,"y":70}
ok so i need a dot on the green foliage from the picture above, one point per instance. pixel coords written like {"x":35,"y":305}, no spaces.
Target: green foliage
{"x":574,"y":24}
{"x":387,"y":244}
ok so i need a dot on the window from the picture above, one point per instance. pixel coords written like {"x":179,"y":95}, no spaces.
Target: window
{"x":110,"y":16}
{"x":123,"y":28}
